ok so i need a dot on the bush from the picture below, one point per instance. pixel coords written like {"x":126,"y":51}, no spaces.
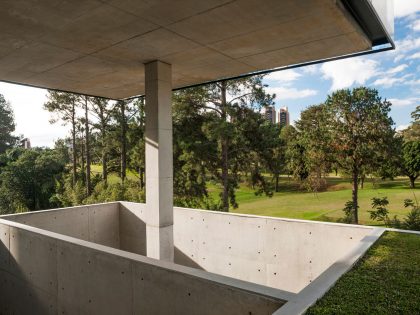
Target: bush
{"x":412,"y":221}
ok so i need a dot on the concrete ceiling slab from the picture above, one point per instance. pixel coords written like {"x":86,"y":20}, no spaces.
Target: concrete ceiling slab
{"x":99,"y":47}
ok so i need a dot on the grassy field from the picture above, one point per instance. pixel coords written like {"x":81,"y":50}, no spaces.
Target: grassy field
{"x":113,"y":178}
{"x":385,"y":281}
{"x":293,"y":202}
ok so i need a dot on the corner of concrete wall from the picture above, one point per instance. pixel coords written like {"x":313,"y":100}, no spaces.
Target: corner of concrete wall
{"x":132,"y":227}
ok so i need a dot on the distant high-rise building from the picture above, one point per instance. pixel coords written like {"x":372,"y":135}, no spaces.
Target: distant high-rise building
{"x":25,"y":143}
{"x":270,"y":114}
{"x":283,"y":118}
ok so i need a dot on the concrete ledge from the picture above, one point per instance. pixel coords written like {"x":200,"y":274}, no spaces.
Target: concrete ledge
{"x":317,"y":289}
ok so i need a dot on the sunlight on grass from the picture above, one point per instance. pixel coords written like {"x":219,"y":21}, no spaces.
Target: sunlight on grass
{"x":385,"y":281}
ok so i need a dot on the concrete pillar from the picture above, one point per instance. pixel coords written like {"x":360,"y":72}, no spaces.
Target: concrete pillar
{"x":159,"y":167}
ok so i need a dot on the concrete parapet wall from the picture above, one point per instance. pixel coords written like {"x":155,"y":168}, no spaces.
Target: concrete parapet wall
{"x":94,"y":223}
{"x":47,"y":273}
{"x":91,"y":259}
{"x":280,"y":253}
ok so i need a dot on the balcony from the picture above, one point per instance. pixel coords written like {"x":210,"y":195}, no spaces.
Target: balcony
{"x":91,"y":259}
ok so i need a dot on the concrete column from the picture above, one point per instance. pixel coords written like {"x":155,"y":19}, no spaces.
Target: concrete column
{"x":159,"y":167}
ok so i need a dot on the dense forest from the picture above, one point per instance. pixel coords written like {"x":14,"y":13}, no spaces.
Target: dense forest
{"x":220,"y":137}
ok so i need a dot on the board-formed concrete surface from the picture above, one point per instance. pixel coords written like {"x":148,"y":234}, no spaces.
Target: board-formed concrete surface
{"x":100,"y":47}
{"x":58,"y":256}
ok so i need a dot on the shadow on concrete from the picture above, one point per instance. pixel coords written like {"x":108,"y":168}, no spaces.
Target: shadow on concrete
{"x":17,"y":294}
{"x":181,"y":258}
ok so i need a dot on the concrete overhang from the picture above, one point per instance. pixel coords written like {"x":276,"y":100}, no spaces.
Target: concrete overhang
{"x":100,"y":47}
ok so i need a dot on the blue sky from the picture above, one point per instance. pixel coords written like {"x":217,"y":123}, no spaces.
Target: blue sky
{"x":396,"y":74}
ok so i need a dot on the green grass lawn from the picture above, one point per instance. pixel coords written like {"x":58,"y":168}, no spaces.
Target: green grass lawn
{"x":113,"y":177}
{"x":385,"y":281}
{"x":292,"y":202}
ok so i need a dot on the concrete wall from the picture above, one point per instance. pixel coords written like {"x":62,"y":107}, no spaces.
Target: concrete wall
{"x":46,"y":273}
{"x":133,"y":227}
{"x":280,"y":253}
{"x":275,"y":257}
{"x":93,"y":223}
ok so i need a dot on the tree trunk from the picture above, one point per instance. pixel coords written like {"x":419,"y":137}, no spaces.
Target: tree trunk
{"x":104,"y":166}
{"x":362,"y":182}
{"x":82,"y":147}
{"x":355,"y":197}
{"x":73,"y":140}
{"x":123,"y":143}
{"x":225,"y":160}
{"x":104,"y":153}
{"x":141,"y":177}
{"x":87,"y":149}
{"x":412,"y":181}
{"x":277,"y":182}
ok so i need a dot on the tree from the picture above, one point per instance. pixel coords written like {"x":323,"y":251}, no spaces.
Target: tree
{"x":361,"y":131}
{"x":412,"y":133}
{"x":223,"y":102}
{"x":102,"y":110}
{"x":136,"y":141}
{"x":411,"y":160}
{"x":7,"y":125}
{"x":314,"y":136}
{"x":85,"y":101}
{"x":28,"y":180}
{"x":294,"y":153}
{"x":63,"y":106}
{"x":410,"y":149}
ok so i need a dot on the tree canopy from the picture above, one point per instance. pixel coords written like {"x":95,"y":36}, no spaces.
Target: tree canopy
{"x":7,"y":125}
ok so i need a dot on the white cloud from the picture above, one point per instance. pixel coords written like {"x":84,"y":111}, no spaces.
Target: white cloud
{"x":415,"y":56}
{"x":388,"y":81}
{"x":401,"y":102}
{"x":31,"y":119}
{"x":397,"y":69}
{"x":407,"y":44}
{"x":311,"y":69}
{"x":413,"y":82}
{"x":402,"y":127}
{"x":415,"y":25}
{"x":287,"y":93}
{"x":346,"y":72}
{"x":284,"y":76}
{"x":406,"y":7}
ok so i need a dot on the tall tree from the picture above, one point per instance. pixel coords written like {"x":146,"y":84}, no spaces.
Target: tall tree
{"x":411,"y":160}
{"x":135,"y":135}
{"x":361,"y":131}
{"x":223,"y":102}
{"x":87,"y":144}
{"x":314,"y":135}
{"x":102,"y":109}
{"x":122,"y":114}
{"x":410,"y":163}
{"x":7,"y":125}
{"x":63,"y":106}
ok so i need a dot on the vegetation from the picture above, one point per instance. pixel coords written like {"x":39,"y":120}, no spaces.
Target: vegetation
{"x":7,"y":126}
{"x":28,"y":179}
{"x":226,"y":155}
{"x":296,"y":202}
{"x":385,"y":281}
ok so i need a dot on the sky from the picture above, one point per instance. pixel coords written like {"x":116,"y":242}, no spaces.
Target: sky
{"x":395,"y":74}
